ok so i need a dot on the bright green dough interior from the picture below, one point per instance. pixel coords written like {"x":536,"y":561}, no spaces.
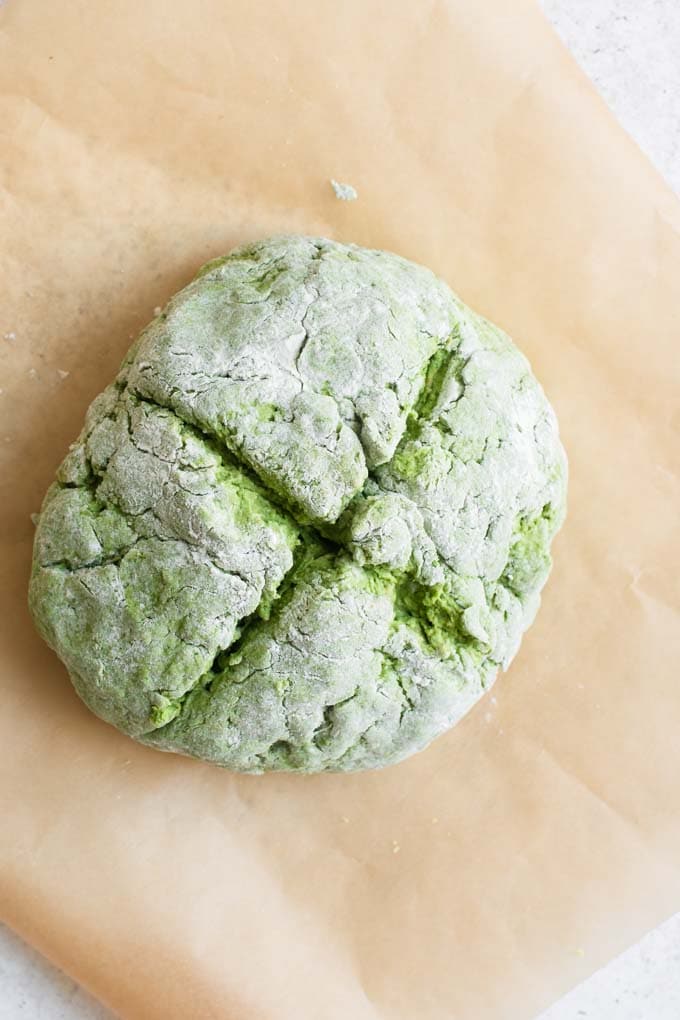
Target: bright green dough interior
{"x":309,"y":520}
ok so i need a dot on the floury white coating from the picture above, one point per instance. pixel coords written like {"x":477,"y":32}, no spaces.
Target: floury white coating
{"x":309,"y":520}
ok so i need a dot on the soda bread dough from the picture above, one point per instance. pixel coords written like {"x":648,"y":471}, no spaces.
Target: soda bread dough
{"x":309,"y":520}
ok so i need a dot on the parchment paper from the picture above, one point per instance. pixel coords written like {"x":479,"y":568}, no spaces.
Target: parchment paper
{"x":543,"y":833}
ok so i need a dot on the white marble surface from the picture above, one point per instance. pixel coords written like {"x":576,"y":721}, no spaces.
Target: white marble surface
{"x":641,"y":984}
{"x":32,"y":989}
{"x":631,"y":50}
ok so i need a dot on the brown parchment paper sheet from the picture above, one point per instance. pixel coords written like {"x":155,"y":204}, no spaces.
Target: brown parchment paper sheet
{"x":543,"y":834}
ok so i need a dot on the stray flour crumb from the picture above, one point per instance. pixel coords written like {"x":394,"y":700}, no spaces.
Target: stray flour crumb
{"x":345,"y":192}
{"x":10,"y":336}
{"x":33,"y":373}
{"x":434,"y":821}
{"x":62,"y":373}
{"x":488,"y":717}
{"x":157,"y":310}
{"x":345,"y":819}
{"x":395,"y":847}
{"x":494,"y":701}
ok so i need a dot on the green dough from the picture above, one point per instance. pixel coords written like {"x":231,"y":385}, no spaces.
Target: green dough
{"x":310,"y":519}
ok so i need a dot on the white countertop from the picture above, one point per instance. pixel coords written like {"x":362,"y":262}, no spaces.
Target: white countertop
{"x":631,"y":50}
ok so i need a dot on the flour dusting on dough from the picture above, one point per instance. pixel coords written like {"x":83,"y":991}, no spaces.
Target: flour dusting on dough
{"x":310,"y":519}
